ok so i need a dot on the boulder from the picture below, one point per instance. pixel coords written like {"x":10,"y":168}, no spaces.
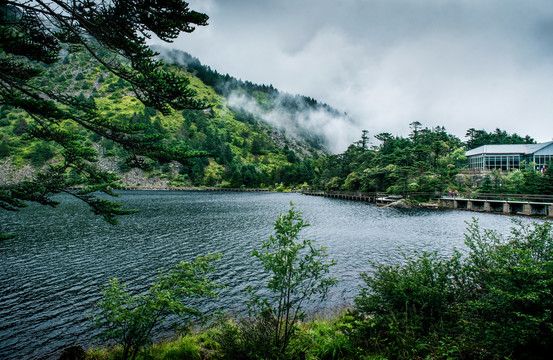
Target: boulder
{"x":401,"y":204}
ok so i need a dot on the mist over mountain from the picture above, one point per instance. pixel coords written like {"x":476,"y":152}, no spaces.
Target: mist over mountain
{"x":296,"y":115}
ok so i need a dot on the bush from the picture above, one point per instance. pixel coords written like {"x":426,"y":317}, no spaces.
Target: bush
{"x":4,"y":149}
{"x":494,"y":303}
{"x":510,"y":309}
{"x":249,"y":339}
{"x":296,"y":272}
{"x":405,"y":306}
{"x":40,"y":153}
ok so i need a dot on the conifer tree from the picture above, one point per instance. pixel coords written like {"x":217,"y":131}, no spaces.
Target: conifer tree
{"x":35,"y":34}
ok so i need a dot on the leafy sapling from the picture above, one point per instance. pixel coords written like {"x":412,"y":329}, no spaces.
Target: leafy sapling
{"x":298,"y":271}
{"x":128,"y":320}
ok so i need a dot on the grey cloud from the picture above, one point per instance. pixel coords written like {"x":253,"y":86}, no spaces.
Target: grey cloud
{"x":457,"y":63}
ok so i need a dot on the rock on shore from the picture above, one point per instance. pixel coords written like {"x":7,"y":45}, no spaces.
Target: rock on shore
{"x":411,"y":204}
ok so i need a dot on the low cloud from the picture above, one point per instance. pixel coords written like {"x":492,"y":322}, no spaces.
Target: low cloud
{"x":291,"y":114}
{"x":332,"y":128}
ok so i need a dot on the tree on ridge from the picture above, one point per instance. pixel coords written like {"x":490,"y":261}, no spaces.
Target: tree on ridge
{"x":36,"y":34}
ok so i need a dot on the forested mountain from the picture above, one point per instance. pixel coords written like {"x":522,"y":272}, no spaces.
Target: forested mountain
{"x":239,"y":146}
{"x":296,"y":115}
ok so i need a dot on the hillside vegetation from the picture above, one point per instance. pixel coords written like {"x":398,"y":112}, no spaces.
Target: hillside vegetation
{"x":240,"y":148}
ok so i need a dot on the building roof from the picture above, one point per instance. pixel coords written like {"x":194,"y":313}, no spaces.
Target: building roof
{"x":524,"y":149}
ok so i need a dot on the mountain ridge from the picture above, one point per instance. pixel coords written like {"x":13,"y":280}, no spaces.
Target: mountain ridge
{"x":295,"y":114}
{"x":244,"y":148}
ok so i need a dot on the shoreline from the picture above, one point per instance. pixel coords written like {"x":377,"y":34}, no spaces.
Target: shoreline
{"x":185,"y":188}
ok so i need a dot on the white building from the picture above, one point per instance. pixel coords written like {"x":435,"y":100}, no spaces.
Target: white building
{"x":510,"y":157}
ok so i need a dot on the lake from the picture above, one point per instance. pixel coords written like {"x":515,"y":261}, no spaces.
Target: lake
{"x":53,"y":272}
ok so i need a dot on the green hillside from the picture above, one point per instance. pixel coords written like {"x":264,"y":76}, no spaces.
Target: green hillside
{"x":241,"y":149}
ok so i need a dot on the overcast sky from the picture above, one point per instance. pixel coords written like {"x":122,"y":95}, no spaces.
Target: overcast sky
{"x":458,"y":63}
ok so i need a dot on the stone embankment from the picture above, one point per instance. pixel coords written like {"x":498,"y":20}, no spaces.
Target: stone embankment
{"x":11,"y":173}
{"x":135,"y":179}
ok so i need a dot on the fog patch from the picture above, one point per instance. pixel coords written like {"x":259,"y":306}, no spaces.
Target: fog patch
{"x":335,"y":130}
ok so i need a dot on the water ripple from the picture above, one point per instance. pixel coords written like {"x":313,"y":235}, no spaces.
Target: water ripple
{"x":52,"y":274}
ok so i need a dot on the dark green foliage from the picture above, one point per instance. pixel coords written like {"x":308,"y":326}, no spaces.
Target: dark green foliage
{"x":525,"y":181}
{"x":409,"y":305}
{"x":4,"y":149}
{"x":40,"y":154}
{"x":114,"y":34}
{"x":426,"y":160}
{"x":20,"y":127}
{"x":487,"y":185}
{"x":250,"y":339}
{"x":495,"y":303}
{"x":547,"y":180}
{"x":509,"y":311}
{"x":478,"y":138}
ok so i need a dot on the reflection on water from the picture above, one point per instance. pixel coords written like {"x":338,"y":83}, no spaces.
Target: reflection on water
{"x":51,"y":275}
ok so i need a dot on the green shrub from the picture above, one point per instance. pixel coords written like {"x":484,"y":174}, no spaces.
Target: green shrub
{"x":4,"y":149}
{"x":129,"y":319}
{"x":249,"y":339}
{"x":510,"y":309}
{"x":40,"y":153}
{"x":406,"y":305}
{"x":495,"y":303}
{"x":296,"y":272}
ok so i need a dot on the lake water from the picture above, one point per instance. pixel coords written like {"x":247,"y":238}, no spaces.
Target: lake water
{"x":51,"y":275}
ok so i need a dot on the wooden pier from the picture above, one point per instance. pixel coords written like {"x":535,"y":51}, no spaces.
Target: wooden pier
{"x":370,"y":197}
{"x":509,"y":204}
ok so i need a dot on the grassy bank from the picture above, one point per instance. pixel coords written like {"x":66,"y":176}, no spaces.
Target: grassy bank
{"x":323,"y":338}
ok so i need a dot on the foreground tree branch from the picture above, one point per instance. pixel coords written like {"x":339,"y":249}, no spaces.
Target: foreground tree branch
{"x":35,"y":34}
